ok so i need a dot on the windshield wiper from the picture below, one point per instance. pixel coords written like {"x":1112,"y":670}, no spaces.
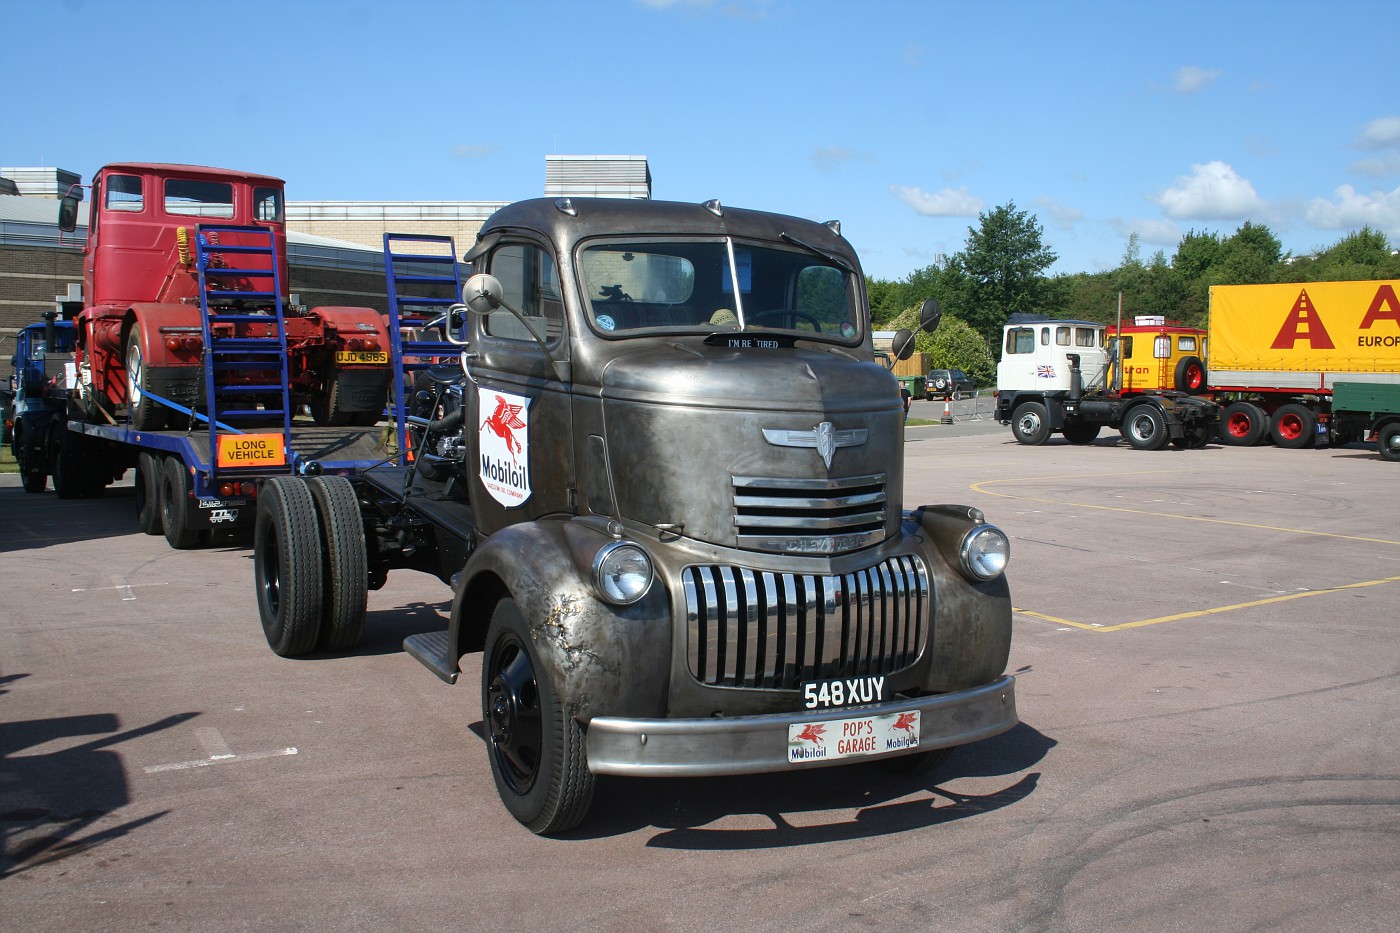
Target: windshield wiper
{"x":816,"y":251}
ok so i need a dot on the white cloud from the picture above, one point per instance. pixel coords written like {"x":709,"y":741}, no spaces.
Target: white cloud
{"x":1380,"y":133}
{"x":1378,"y":167}
{"x":1061,"y":215}
{"x":474,"y":152}
{"x":831,"y":158}
{"x":1211,"y":192}
{"x":1349,"y":209}
{"x":1193,"y":80}
{"x":1156,"y":232}
{"x":946,"y":203}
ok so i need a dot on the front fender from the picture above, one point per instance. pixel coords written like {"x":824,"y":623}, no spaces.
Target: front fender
{"x":602,"y":659}
{"x":972,"y":621}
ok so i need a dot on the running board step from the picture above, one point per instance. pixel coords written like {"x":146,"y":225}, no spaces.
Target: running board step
{"x":433,"y":650}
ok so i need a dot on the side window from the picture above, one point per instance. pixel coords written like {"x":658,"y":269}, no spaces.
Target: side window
{"x":1127,"y":344}
{"x":1186,"y":344}
{"x":1162,"y":346}
{"x":1062,"y":336}
{"x":267,"y":204}
{"x":1020,"y":340}
{"x":124,"y":193}
{"x":531,"y":284}
{"x":1084,"y":337}
{"x":1045,"y":336}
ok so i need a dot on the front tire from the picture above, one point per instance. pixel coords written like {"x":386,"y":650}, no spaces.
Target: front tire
{"x":1388,"y":442}
{"x":1030,"y":423}
{"x":287,"y":566}
{"x":1145,"y":427}
{"x":146,"y":413}
{"x":538,"y":756}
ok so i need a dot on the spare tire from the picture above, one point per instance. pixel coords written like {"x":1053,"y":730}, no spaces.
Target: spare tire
{"x":1190,"y":375}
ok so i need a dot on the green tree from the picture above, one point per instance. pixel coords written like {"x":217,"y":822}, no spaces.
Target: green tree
{"x":954,"y":345}
{"x":1001,"y":271}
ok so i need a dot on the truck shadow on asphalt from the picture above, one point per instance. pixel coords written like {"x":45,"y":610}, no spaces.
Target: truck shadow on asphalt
{"x":111,"y":515}
{"x":49,"y":801}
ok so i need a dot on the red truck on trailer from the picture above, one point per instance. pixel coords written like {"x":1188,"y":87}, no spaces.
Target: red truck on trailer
{"x":190,"y":363}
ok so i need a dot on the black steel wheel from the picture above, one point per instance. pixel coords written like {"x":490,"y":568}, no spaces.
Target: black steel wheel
{"x":1145,"y":427}
{"x":537,"y":751}
{"x":1193,"y":437}
{"x":287,"y":566}
{"x":1030,"y":423}
{"x":1079,"y":433}
{"x":146,"y":413}
{"x":1388,"y":442}
{"x":66,"y":463}
{"x":30,"y":462}
{"x":174,"y":500}
{"x":328,"y":408}
{"x":345,"y":567}
{"x":147,"y":483}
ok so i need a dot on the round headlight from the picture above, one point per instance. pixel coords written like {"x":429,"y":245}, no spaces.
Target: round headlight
{"x":984,"y":552}
{"x":622,"y":572}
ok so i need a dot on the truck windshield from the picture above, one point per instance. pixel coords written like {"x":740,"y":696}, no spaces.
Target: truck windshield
{"x":677,"y":285}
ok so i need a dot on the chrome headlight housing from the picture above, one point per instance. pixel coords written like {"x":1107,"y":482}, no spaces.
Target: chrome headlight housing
{"x":984,"y":553}
{"x":622,"y":572}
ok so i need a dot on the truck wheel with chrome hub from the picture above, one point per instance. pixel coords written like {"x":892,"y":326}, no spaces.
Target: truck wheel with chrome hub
{"x":1030,"y":423}
{"x":1145,"y":427}
{"x":537,"y":752}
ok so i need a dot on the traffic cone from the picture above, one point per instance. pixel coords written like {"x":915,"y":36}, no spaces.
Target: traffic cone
{"x":947,"y":411}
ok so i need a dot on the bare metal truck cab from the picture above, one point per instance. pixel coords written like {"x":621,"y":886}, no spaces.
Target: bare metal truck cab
{"x":665,"y":481}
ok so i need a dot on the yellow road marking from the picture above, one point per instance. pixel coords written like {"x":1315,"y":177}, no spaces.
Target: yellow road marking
{"x":981,"y":487}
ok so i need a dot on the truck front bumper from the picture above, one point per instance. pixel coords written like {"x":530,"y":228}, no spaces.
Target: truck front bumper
{"x":755,"y":744}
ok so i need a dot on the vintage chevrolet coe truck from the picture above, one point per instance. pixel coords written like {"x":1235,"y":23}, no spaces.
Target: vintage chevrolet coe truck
{"x":665,"y":482}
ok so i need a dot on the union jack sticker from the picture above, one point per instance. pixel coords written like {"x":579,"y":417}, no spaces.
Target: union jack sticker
{"x":1045,"y":372}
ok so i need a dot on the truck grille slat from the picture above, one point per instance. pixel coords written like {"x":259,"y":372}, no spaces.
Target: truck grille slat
{"x":826,"y":516}
{"x":776,"y":630}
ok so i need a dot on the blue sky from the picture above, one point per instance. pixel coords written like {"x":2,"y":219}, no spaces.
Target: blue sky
{"x":902,"y":119}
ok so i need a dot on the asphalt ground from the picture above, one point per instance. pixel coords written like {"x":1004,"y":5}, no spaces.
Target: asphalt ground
{"x":1206,"y":658}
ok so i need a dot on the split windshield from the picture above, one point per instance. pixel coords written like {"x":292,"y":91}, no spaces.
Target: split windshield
{"x":709,"y":286}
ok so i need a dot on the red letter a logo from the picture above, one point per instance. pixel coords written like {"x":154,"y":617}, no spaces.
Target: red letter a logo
{"x":1383,"y":307}
{"x":1303,"y":323}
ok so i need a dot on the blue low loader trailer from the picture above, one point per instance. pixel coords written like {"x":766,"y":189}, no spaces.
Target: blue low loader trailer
{"x":199,"y":475}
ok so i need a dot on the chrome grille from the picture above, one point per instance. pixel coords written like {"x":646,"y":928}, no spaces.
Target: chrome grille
{"x":808,"y":516}
{"x":752,"y":628}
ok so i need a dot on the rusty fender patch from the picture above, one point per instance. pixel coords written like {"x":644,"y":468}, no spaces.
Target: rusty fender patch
{"x":559,"y":628}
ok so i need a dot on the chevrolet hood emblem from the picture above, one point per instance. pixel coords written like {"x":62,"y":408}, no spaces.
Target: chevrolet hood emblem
{"x":824,"y":437}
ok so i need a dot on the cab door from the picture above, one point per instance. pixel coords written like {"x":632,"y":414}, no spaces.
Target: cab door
{"x":519,"y":406}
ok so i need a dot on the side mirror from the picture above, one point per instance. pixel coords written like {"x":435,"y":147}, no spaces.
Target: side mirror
{"x":903,"y":344}
{"x":483,"y":293}
{"x":68,"y":213}
{"x":930,"y":315}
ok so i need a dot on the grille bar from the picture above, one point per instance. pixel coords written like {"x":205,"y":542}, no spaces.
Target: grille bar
{"x":828,"y":516}
{"x":752,"y":628}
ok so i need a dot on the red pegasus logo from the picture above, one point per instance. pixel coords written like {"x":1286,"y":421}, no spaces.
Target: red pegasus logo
{"x":812,"y":733}
{"x":906,"y":722}
{"x":504,"y":422}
